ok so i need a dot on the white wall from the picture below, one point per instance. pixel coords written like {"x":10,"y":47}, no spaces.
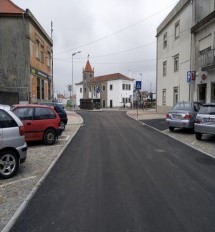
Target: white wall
{"x":179,"y":46}
{"x":117,"y":94}
{"x":79,"y":94}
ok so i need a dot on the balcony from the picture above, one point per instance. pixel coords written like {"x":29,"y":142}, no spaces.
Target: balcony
{"x":207,"y":60}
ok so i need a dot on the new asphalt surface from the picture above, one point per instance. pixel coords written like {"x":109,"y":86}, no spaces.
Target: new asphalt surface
{"x":119,"y":175}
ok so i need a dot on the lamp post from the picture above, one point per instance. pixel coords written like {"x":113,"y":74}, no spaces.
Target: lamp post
{"x":73,"y":54}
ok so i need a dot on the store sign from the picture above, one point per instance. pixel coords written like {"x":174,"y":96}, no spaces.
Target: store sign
{"x":39,"y":73}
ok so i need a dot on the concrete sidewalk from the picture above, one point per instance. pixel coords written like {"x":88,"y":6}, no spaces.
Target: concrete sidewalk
{"x":141,"y":114}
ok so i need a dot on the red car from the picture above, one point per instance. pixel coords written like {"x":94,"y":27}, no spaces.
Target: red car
{"x":41,"y":122}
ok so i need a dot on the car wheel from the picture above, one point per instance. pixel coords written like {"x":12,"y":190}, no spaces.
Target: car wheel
{"x":49,"y":137}
{"x":198,"y":136}
{"x":63,"y":126}
{"x":171,"y":128}
{"x":9,"y":164}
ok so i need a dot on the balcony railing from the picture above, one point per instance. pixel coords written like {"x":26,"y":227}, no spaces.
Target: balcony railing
{"x":207,"y":60}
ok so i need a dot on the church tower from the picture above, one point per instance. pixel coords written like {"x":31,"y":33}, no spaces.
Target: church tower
{"x":88,"y":71}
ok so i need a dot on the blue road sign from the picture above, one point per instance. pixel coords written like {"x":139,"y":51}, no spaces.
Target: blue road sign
{"x":138,"y":85}
{"x":189,"y":76}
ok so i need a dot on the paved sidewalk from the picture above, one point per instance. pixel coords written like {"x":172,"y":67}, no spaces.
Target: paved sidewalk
{"x":15,"y":192}
{"x":144,"y":114}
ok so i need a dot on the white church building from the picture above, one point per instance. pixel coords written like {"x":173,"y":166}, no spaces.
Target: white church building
{"x":111,"y":90}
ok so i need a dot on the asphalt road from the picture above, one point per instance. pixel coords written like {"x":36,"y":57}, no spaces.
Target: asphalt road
{"x":117,"y":175}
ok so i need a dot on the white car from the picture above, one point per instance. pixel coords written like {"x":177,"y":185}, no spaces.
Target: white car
{"x":205,"y":121}
{"x":13,"y":148}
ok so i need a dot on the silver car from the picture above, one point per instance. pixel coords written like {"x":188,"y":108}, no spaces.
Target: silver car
{"x":13,"y":148}
{"x":205,"y":121}
{"x":182,"y":115}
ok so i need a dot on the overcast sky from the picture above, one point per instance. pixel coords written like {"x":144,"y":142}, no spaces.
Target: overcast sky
{"x":119,"y":36}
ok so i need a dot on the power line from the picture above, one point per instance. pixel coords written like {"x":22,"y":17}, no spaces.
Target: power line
{"x":117,"y":32}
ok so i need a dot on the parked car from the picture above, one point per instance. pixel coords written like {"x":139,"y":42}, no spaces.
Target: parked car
{"x":13,"y":148}
{"x":41,"y":122}
{"x":61,"y":112}
{"x":183,"y":115}
{"x":205,"y":121}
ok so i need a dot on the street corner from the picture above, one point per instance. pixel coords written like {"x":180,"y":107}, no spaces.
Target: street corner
{"x":74,"y":118}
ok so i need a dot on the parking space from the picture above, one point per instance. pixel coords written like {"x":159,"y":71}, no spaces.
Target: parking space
{"x":207,"y":144}
{"x":39,"y":158}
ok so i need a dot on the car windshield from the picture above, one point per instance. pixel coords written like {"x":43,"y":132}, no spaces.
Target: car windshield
{"x":207,"y":109}
{"x":182,"y":106}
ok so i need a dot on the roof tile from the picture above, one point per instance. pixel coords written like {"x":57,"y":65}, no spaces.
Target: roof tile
{"x":88,"y":67}
{"x":109,"y":77}
{"x":8,"y":7}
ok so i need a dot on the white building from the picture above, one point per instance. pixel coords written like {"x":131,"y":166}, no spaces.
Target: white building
{"x":112,"y":90}
{"x":185,"y":54}
{"x":203,"y":55}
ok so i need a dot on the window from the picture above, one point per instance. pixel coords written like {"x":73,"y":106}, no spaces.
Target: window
{"x":43,"y":89}
{"x":103,"y":87}
{"x":164,"y":97}
{"x":177,"y":30}
{"x":212,"y":92}
{"x":24,"y":113}
{"x":48,"y":59}
{"x":175,"y":95}
{"x":37,"y":49}
{"x":38,"y":88}
{"x":123,"y":86}
{"x":6,"y":120}
{"x":43,"y":113}
{"x":111,"y":87}
{"x":85,"y":90}
{"x":126,"y":100}
{"x":176,"y":63}
{"x":165,"y":40}
{"x":164,"y":68}
{"x":42,"y":55}
{"x":80,"y":90}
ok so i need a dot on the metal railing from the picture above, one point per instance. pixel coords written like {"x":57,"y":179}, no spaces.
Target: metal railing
{"x":207,"y":60}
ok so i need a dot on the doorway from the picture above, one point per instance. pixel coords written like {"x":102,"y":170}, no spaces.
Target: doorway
{"x":202,"y":91}
{"x":111,"y":103}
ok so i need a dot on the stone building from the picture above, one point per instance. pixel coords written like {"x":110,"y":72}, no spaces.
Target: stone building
{"x":25,"y":55}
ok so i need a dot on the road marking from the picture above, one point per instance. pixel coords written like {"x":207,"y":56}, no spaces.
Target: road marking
{"x":16,"y":181}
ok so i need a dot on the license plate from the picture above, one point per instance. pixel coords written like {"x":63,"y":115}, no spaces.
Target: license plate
{"x":209,"y":120}
{"x":177,"y":116}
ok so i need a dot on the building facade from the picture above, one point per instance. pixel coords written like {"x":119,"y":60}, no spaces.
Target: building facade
{"x":203,"y":56}
{"x":112,"y":90}
{"x":185,"y":54}
{"x":25,"y":55}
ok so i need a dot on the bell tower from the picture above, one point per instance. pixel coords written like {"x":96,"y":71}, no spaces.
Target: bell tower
{"x":88,"y":71}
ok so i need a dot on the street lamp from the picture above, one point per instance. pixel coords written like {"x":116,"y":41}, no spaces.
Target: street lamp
{"x":73,"y":54}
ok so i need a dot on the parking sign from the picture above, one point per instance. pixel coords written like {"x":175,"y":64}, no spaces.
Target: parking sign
{"x":189,"y":76}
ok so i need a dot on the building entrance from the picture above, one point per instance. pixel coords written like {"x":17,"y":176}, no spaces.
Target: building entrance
{"x":202,"y":91}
